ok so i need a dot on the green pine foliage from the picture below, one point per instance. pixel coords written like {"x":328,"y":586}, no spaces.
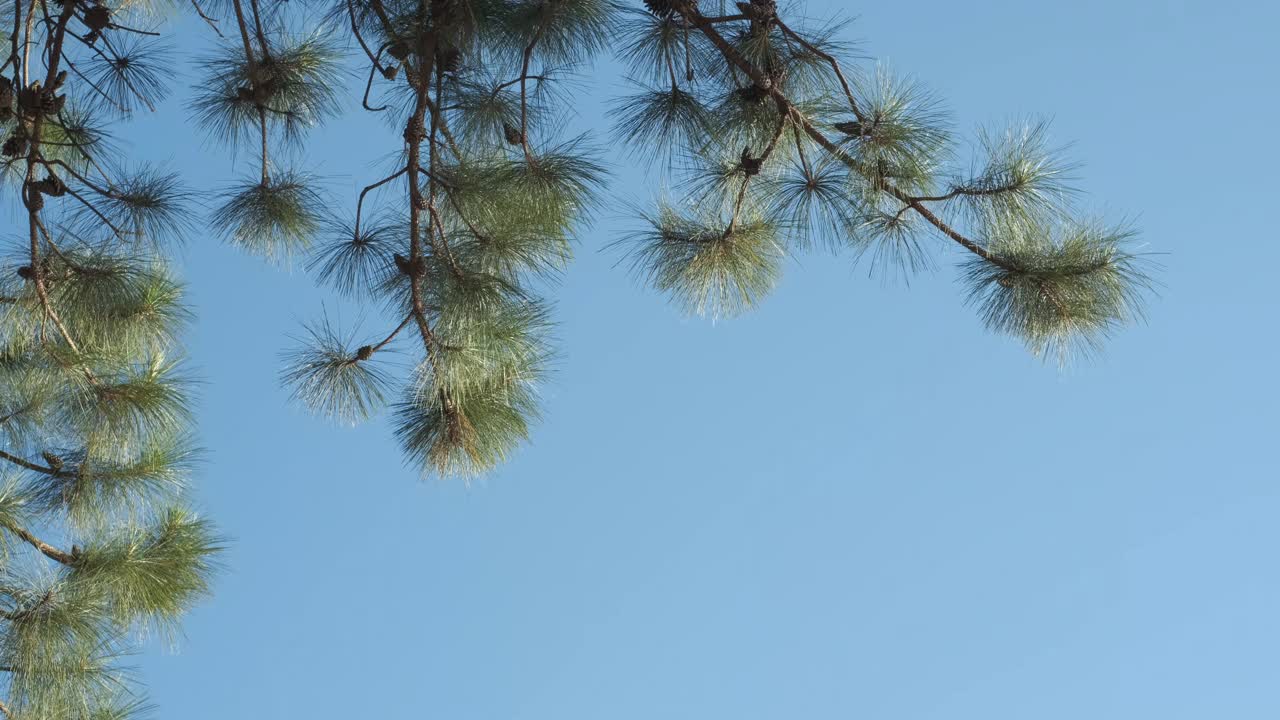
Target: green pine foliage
{"x":455,"y":247}
{"x":776,"y":133}
{"x":98,"y":543}
{"x":771,"y":143}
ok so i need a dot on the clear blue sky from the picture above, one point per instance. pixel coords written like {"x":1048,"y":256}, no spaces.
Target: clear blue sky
{"x":855,"y":503}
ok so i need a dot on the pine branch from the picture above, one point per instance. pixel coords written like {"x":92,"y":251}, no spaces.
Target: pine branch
{"x":45,"y":549}
{"x":708,"y":29}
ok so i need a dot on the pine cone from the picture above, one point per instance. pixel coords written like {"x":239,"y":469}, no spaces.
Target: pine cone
{"x":51,"y":185}
{"x":512,"y":134}
{"x":414,"y":132}
{"x":412,"y":268}
{"x":752,"y":93}
{"x":761,"y":13}
{"x":661,"y":8}
{"x":750,"y":165}
{"x":364,"y":352}
{"x":443,"y":12}
{"x":97,"y":18}
{"x":853,"y":128}
{"x":390,"y":72}
{"x":15,"y":146}
{"x":54,"y":461}
{"x":449,"y":60}
{"x":263,"y":91}
{"x":398,"y":50}
{"x":34,"y":101}
{"x":30,"y":99}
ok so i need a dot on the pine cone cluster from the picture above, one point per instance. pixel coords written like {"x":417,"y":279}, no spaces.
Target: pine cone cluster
{"x":34,"y":101}
{"x":6,"y":99}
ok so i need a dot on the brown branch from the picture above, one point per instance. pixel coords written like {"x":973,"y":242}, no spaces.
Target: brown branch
{"x":23,"y":462}
{"x":367,"y":351}
{"x":414,"y":136}
{"x":962,"y":190}
{"x":355,"y":30}
{"x":244,"y":38}
{"x":97,"y":89}
{"x":33,"y":204}
{"x":746,"y":179}
{"x":835,"y":65}
{"x":370,"y":188}
{"x":208,"y":20}
{"x":262,"y":37}
{"x":368,"y":87}
{"x":444,"y":130}
{"x":524,"y":92}
{"x":262,"y":124}
{"x":45,"y":548}
{"x":15,"y":57}
{"x":436,"y":222}
{"x":387,"y":26}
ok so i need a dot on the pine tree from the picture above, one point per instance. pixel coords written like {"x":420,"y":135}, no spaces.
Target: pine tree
{"x":97,"y":546}
{"x":773,"y":142}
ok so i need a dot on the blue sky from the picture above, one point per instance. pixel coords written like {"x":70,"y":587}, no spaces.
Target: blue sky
{"x":855,"y":502}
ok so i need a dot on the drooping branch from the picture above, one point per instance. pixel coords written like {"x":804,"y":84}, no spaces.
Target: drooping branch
{"x":733,"y":56}
{"x":45,"y":548}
